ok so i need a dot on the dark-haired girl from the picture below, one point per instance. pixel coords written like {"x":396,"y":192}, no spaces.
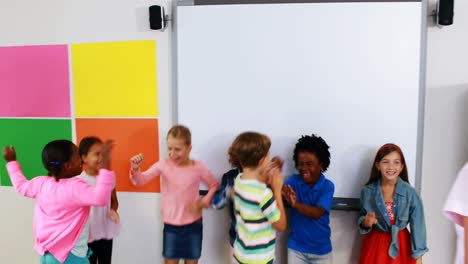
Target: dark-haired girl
{"x":388,"y":205}
{"x":62,"y":200}
{"x":104,"y":221}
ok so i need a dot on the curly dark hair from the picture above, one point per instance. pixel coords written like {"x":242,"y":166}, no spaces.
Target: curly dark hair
{"x":315,"y":145}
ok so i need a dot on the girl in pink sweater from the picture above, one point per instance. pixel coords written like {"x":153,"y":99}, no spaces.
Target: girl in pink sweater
{"x":180,"y":203}
{"x":62,"y":200}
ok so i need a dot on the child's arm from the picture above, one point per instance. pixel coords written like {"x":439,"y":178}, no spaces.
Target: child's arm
{"x":114,"y":202}
{"x":83,"y":194}
{"x":366,"y":219}
{"x":322,"y":207}
{"x":113,"y":215}
{"x":417,"y":226}
{"x":276,"y":186}
{"x":208,"y":179}
{"x":22,"y":185}
{"x":139,"y":178}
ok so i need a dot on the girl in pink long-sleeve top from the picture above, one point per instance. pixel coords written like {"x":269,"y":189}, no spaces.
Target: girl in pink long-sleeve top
{"x":181,"y":206}
{"x":62,"y":200}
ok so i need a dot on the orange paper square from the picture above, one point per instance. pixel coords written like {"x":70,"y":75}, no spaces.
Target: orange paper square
{"x":131,"y":136}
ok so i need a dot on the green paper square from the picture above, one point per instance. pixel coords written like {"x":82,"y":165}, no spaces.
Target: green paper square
{"x":29,"y":136}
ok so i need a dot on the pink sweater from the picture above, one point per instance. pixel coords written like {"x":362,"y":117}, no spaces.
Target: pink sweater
{"x":62,"y":207}
{"x":179,"y":189}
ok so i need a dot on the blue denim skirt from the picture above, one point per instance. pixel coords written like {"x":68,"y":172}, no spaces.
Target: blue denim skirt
{"x":183,"y":242}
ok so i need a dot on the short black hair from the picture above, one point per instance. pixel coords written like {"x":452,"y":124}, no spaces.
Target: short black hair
{"x":55,"y":154}
{"x":86,"y":143}
{"x":315,"y":145}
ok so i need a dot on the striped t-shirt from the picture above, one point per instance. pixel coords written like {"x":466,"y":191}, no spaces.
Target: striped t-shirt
{"x":256,"y":210}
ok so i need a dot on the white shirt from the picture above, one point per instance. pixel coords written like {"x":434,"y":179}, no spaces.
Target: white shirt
{"x":100,"y":224}
{"x":456,"y":208}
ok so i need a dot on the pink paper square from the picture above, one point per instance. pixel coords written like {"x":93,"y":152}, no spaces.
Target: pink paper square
{"x":34,"y":81}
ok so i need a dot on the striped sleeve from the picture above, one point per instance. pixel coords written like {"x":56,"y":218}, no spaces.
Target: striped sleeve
{"x":269,"y":207}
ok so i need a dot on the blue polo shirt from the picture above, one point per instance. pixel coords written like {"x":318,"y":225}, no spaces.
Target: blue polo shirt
{"x":310,"y":235}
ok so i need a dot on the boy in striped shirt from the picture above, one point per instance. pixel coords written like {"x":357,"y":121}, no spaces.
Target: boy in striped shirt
{"x":259,"y":209}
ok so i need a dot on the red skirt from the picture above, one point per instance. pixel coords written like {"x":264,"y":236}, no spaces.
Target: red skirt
{"x":375,"y":248}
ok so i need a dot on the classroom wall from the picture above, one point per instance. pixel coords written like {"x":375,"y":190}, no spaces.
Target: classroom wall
{"x":446,"y":128}
{"x":28,"y":22}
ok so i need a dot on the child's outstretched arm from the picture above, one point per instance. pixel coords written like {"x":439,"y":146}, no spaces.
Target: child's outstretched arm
{"x":139,"y":178}
{"x":208,"y":179}
{"x":22,"y":185}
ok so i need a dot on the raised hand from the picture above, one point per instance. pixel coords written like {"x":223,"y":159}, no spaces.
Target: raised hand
{"x":9,"y":153}
{"x":370,"y":220}
{"x":136,"y":161}
{"x":106,"y":154}
{"x":276,"y":180}
{"x":278,"y":162}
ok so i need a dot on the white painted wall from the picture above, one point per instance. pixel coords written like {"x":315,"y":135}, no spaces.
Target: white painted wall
{"x":446,"y":127}
{"x":29,"y":22}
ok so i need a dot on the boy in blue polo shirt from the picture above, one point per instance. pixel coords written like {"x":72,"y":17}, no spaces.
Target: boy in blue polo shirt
{"x":310,"y":195}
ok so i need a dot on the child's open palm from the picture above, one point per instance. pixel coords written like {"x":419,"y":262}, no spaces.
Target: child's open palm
{"x":9,"y":153}
{"x":289,"y":194}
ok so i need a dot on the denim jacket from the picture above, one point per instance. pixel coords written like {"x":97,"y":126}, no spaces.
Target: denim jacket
{"x":407,"y":208}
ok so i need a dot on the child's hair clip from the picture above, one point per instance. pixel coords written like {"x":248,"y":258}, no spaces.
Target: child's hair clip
{"x":55,"y":162}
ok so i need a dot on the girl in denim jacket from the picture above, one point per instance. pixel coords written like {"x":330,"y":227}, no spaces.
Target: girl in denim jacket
{"x":388,"y":205}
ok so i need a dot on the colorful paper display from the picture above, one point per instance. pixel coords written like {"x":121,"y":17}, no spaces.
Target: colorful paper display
{"x":34,"y":81}
{"x":29,"y":136}
{"x":115,"y":79}
{"x":131,"y":137}
{"x":114,"y":96}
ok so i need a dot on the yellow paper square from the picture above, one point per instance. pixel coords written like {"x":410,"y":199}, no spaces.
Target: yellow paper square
{"x":115,"y":79}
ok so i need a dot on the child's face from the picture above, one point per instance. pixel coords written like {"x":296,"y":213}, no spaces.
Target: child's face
{"x":390,"y":166}
{"x":178,"y":151}
{"x":93,"y":159}
{"x":309,"y":167}
{"x":73,"y":166}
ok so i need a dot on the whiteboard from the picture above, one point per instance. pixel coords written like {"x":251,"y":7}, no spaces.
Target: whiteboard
{"x":348,"y":72}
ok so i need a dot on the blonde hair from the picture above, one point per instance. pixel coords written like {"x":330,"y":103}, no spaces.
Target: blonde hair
{"x":181,"y":132}
{"x":249,"y":148}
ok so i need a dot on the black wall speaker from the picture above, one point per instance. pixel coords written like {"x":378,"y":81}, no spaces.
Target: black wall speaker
{"x":445,"y":12}
{"x":157,"y":17}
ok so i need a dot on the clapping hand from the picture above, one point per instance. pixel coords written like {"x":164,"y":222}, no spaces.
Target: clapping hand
{"x":289,"y":194}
